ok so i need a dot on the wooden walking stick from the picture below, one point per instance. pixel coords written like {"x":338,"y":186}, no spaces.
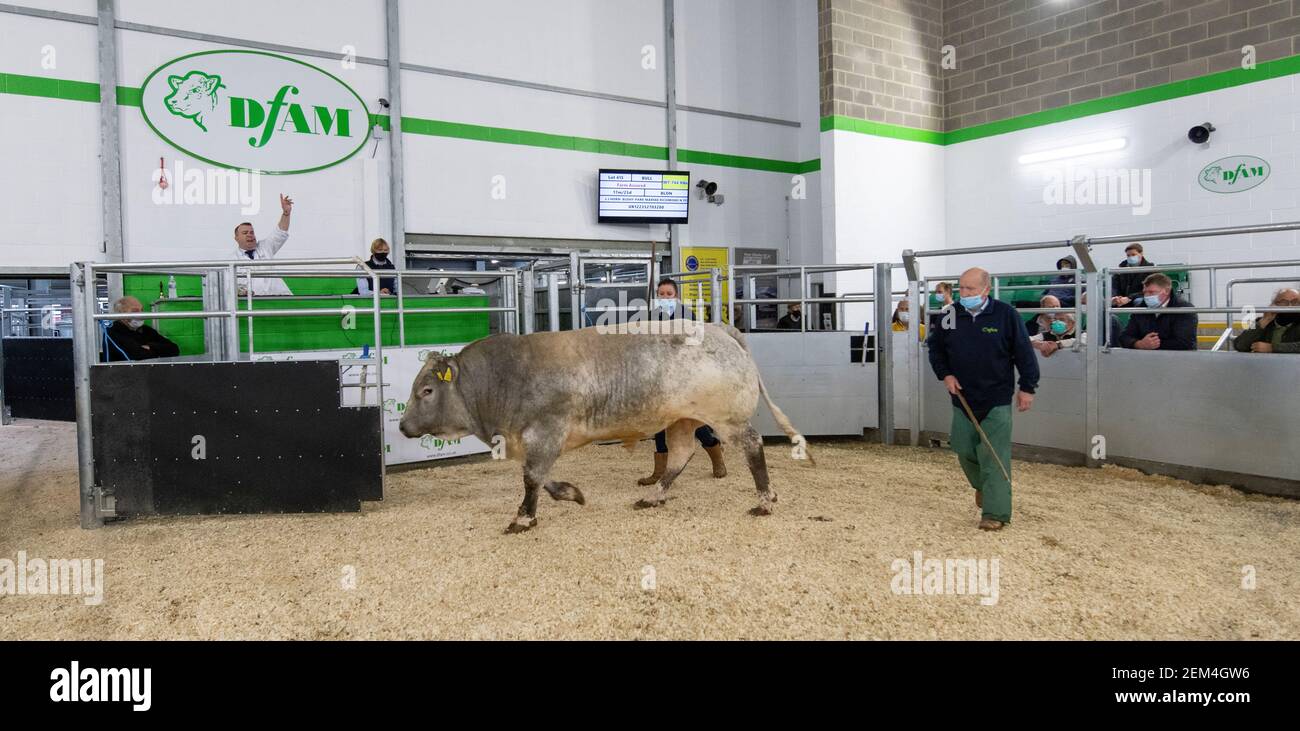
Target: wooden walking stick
{"x":971,"y":415}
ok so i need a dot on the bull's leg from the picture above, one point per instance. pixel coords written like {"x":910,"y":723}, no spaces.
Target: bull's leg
{"x":681,"y":446}
{"x":537,"y":467}
{"x":749,"y":440}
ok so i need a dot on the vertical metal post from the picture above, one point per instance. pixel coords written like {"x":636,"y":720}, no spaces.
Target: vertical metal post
{"x":715,"y":283}
{"x":213,"y":334}
{"x":884,"y":354}
{"x":379,"y":377}
{"x":230,"y":303}
{"x":248,"y":295}
{"x":803,"y":297}
{"x":84,"y":351}
{"x":915,"y":364}
{"x":509,"y":291}
{"x":576,"y":284}
{"x":670,"y":112}
{"x":110,"y":175}
{"x":553,"y":301}
{"x":1098,"y":323}
{"x":530,"y":301}
{"x":401,"y":312}
{"x":396,"y":180}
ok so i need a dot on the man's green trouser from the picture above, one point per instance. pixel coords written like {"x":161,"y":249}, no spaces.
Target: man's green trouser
{"x":977,"y":462}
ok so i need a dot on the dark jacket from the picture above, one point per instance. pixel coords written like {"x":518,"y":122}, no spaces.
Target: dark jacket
{"x":387,"y":283}
{"x":1124,"y":284}
{"x":1176,"y":332}
{"x":1288,"y":341}
{"x":788,"y":323}
{"x":1065,"y":294}
{"x":981,"y":352}
{"x":132,"y":342}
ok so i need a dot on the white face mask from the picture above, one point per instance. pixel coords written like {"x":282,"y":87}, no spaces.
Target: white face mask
{"x":135,"y":324}
{"x":665,"y":304}
{"x":902,"y":317}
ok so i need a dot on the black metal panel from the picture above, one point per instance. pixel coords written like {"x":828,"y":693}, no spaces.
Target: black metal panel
{"x":38,"y":378}
{"x":276,"y":439}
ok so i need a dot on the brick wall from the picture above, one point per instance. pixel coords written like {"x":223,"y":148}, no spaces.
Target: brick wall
{"x":879,"y":58}
{"x":878,"y":61}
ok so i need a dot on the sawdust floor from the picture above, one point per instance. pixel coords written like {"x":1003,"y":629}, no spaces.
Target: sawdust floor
{"x":1095,"y":554}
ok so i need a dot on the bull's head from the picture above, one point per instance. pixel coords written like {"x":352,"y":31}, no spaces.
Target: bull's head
{"x":193,"y":96}
{"x":437,"y":405}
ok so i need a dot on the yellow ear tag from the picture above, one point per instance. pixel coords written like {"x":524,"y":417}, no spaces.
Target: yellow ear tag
{"x":445,"y":376}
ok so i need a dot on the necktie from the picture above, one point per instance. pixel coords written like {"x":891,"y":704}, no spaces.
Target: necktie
{"x":250,"y":254}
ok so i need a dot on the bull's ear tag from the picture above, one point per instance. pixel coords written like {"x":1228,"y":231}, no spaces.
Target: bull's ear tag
{"x":445,"y":375}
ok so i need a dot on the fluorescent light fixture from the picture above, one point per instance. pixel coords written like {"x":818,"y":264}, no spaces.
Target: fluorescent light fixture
{"x":1061,"y":153}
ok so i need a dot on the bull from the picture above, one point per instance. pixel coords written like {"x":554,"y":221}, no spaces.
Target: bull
{"x":548,"y":393}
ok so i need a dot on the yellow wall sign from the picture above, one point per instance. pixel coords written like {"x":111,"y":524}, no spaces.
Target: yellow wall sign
{"x":695,"y":288}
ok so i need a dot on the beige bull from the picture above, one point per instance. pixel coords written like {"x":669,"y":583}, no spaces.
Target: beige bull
{"x":548,"y":393}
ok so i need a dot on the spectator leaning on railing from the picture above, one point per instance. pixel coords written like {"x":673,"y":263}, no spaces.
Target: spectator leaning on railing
{"x":1160,"y":330}
{"x":1051,"y":332}
{"x":1274,"y":332}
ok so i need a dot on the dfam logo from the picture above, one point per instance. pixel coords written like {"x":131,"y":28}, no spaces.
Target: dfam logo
{"x":255,"y":111}
{"x":1234,"y":174}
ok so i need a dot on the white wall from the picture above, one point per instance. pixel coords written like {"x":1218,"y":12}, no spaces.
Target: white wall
{"x":992,"y":199}
{"x":885,"y":195}
{"x":49,"y":149}
{"x":733,"y":55}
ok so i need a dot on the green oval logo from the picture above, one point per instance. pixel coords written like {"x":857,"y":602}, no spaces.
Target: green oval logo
{"x":255,"y":111}
{"x":1234,"y":174}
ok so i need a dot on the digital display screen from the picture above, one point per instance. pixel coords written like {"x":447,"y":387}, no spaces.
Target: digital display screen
{"x":643,"y":196}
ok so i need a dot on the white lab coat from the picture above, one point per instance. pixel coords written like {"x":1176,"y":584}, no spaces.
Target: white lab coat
{"x":266,"y":249}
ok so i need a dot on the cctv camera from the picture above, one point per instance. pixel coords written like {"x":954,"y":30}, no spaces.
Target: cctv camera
{"x":1200,"y":134}
{"x":383,"y":102}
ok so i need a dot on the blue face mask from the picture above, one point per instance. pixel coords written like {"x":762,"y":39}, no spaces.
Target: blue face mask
{"x":1134,"y":260}
{"x":668,"y":306}
{"x":1058,"y":327}
{"x":973,"y":302}
{"x":1151,"y":300}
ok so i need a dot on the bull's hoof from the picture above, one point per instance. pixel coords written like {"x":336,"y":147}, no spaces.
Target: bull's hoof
{"x":520,"y":525}
{"x":566,"y":491}
{"x":763,"y":509}
{"x":644,"y":503}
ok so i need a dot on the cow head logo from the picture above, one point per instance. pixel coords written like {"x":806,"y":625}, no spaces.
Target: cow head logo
{"x":1211,"y":174}
{"x":193,"y":96}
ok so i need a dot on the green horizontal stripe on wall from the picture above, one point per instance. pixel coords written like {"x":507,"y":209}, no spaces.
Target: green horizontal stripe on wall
{"x":128,"y":96}
{"x":1150,"y":95}
{"x":879,"y":129}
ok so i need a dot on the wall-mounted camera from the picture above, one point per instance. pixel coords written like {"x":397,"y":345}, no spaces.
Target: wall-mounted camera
{"x":1200,"y":134}
{"x":383,"y":102}
{"x":709,"y":190}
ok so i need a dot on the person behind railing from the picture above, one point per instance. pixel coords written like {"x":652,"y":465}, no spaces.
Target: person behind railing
{"x":132,"y":339}
{"x":902,"y":316}
{"x":1160,"y":331}
{"x":1274,"y":332}
{"x":944,"y":291}
{"x":1115,"y":327}
{"x":1126,"y":287}
{"x":1050,"y":332}
{"x":667,"y":307}
{"x":378,"y":260}
{"x":978,"y":357}
{"x":251,"y":248}
{"x":1066,"y":295}
{"x":793,"y":317}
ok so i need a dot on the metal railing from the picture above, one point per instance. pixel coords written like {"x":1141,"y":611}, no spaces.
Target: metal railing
{"x":1098,"y":310}
{"x":712,"y":277}
{"x":221,"y":308}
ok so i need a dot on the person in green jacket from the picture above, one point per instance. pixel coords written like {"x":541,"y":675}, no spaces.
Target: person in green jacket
{"x":1274,"y":332}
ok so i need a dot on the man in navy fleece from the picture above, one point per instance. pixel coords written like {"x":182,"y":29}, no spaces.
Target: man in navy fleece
{"x":974,"y":351}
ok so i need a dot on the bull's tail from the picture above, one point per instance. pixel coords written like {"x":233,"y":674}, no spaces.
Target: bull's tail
{"x":783,"y":421}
